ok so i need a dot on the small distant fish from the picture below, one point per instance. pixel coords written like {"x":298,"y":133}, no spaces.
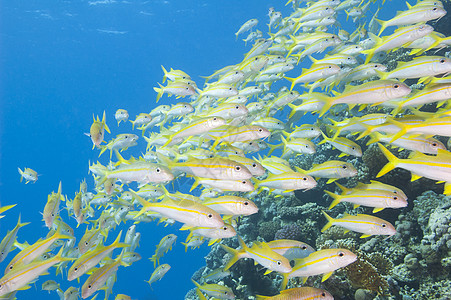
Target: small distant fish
{"x":158,"y":273}
{"x":28,"y":174}
{"x":97,"y":131}
{"x":248,"y":25}
{"x":121,"y":115}
{"x":163,"y":246}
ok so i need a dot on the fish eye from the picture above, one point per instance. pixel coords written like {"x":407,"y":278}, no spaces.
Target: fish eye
{"x":224,"y":228}
{"x":442,"y":60}
{"x":75,"y":269}
{"x":89,"y":286}
{"x":238,"y":168}
{"x":304,"y":178}
{"x":158,"y":170}
{"x":186,"y":88}
{"x":344,"y":167}
{"x":434,"y":144}
{"x":53,"y":215}
{"x":279,"y":262}
{"x":353,"y":148}
{"x":209,"y":216}
{"x":434,"y":9}
{"x":260,"y":130}
{"x":330,"y":67}
{"x":341,"y":254}
{"x":323,"y":294}
{"x":225,"y":292}
{"x":246,"y":203}
{"x":237,"y":73}
{"x":230,"y":89}
{"x":237,"y":107}
{"x":383,"y":225}
{"x":376,"y":66}
{"x":10,"y":267}
{"x":395,"y":198}
{"x":254,"y":165}
{"x":303,"y":247}
{"x":214,"y":119}
{"x":243,"y":182}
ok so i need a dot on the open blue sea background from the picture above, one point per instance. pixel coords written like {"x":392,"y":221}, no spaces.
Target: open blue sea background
{"x":63,"y":61}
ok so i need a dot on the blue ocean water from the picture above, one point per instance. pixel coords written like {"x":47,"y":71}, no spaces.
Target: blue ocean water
{"x":63,"y":61}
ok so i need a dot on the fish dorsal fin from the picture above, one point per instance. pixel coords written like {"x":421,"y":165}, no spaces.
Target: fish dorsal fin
{"x":414,"y":177}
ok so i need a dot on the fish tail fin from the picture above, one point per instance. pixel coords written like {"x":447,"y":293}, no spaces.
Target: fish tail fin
{"x":393,"y":161}
{"x":327,"y":104}
{"x":292,"y":80}
{"x":330,"y":222}
{"x":337,"y":199}
{"x":120,"y":159}
{"x":284,"y":283}
{"x":235,"y":256}
{"x":143,"y":202}
{"x":21,"y":174}
{"x":383,"y":25}
{"x":196,"y":284}
{"x":159,"y":90}
{"x":154,"y":260}
{"x":19,"y":225}
{"x":325,"y":138}
{"x":374,"y":138}
{"x":165,"y":73}
{"x":273,"y":147}
{"x":344,"y":190}
{"x":102,"y":149}
{"x":293,"y":109}
{"x":195,"y":184}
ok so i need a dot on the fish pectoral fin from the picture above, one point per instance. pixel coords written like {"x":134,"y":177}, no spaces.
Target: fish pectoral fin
{"x":414,"y":177}
{"x":447,"y":188}
{"x":356,"y":205}
{"x":365,"y":236}
{"x":267,"y":271}
{"x":326,"y":276}
{"x":24,"y":288}
{"x":377,"y":209}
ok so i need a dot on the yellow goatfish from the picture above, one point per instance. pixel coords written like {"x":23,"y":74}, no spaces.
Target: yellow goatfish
{"x":288,"y":181}
{"x":97,"y":131}
{"x":346,"y":146}
{"x":10,"y":238}
{"x":91,"y":258}
{"x":416,"y":14}
{"x":300,"y":293}
{"x":100,"y":276}
{"x":332,"y":169}
{"x":185,"y":211}
{"x":28,"y":174}
{"x":320,"y":262}
{"x":177,"y":88}
{"x":20,"y":277}
{"x":373,"y":92}
{"x":261,"y":253}
{"x":379,"y":199}
{"x":32,"y":252}
{"x":163,"y":246}
{"x":158,"y":273}
{"x":51,"y":209}
{"x":366,"y":224}
{"x":216,"y":290}
{"x":196,"y":127}
{"x":420,"y":165}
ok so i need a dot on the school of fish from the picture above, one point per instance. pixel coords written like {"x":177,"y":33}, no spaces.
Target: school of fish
{"x":222,"y":139}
